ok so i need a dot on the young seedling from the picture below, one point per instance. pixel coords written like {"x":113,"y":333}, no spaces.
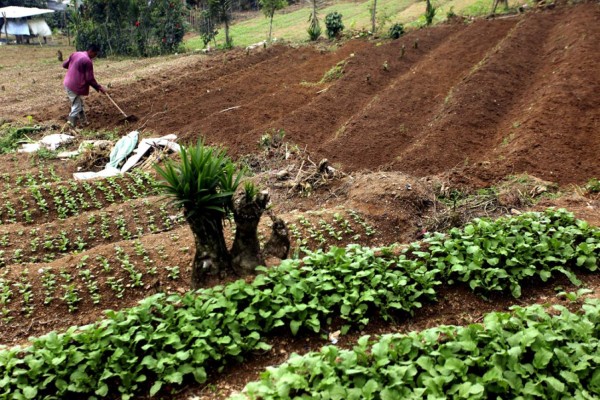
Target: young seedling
{"x":116,"y":286}
{"x":71,"y":297}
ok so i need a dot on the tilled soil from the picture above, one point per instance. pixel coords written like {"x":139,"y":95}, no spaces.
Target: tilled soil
{"x":491,"y":97}
{"x":457,"y":104}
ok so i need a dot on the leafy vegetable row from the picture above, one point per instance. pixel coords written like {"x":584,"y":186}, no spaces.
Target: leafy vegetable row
{"x":166,"y":339}
{"x":499,"y":255}
{"x":531,"y":353}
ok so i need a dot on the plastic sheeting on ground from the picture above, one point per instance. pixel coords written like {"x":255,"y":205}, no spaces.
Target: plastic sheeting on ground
{"x":123,"y":148}
{"x":50,"y":142}
{"x":147,"y":144}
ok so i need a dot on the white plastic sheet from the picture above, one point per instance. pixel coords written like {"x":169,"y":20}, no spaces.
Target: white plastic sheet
{"x":53,"y":142}
{"x":145,"y":145}
{"x":39,"y":27}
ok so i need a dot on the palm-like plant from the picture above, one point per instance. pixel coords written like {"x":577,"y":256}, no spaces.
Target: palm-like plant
{"x":203,"y":183}
{"x":314,"y":28}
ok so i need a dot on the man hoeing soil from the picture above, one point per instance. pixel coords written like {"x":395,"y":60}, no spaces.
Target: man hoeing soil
{"x":79,"y":78}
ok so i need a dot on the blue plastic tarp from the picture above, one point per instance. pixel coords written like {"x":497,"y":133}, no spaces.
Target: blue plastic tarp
{"x":122,"y":149}
{"x":17,"y":27}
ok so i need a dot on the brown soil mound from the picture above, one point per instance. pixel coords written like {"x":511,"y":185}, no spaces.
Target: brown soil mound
{"x":490,"y":98}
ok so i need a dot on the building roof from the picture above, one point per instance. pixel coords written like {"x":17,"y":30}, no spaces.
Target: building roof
{"x":56,"y":5}
{"x":22,"y":12}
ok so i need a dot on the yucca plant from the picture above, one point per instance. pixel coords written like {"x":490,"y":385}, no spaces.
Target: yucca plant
{"x":314,"y":27}
{"x":203,"y":183}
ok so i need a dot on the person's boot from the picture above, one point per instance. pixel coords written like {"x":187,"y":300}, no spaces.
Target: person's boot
{"x":73,"y":124}
{"x":83,"y":119}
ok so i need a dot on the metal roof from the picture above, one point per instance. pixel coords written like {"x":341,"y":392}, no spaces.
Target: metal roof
{"x":56,"y":5}
{"x":22,"y":12}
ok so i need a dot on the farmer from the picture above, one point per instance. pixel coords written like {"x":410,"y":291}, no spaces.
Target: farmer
{"x":79,"y":78}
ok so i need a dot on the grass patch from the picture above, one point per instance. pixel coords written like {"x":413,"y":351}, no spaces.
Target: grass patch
{"x":12,"y":136}
{"x":291,"y":26}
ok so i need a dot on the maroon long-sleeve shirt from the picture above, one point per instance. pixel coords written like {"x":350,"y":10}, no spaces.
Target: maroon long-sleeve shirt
{"x":80,"y":73}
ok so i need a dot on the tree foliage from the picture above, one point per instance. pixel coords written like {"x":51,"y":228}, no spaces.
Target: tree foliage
{"x":130,"y":27}
{"x":203,"y":182}
{"x":23,"y":3}
{"x":268,"y":8}
{"x":219,"y":12}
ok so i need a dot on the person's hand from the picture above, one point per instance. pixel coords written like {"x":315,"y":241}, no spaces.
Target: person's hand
{"x":102,"y":90}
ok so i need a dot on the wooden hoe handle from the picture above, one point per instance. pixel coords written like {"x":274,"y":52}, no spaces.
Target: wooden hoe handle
{"x":116,"y":105}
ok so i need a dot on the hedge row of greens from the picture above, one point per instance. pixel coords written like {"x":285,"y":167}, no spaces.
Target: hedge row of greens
{"x":500,"y":255}
{"x":165,"y":339}
{"x":531,"y":353}
{"x":169,"y":338}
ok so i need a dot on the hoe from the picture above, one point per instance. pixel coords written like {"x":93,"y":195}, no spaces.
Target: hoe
{"x":126,"y":118}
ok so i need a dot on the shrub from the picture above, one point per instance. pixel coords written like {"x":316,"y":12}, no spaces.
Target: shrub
{"x":334,"y":25}
{"x":396,"y":30}
{"x":593,"y":186}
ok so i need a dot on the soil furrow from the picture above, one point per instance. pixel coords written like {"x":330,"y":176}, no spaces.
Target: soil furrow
{"x":407,"y":106}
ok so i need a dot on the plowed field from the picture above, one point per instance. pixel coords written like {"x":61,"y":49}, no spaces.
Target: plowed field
{"x":407,"y":124}
{"x":494,"y":97}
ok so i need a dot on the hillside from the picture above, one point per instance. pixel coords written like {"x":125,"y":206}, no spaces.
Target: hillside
{"x":490,"y":98}
{"x":424,"y":216}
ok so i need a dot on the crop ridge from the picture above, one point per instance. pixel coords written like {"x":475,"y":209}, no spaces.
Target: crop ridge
{"x":559,"y":104}
{"x":16,"y":327}
{"x":488,"y":93}
{"x":360,"y":85}
{"x":410,"y":101}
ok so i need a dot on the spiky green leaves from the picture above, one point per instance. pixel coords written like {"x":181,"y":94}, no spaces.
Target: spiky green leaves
{"x":202,"y":182}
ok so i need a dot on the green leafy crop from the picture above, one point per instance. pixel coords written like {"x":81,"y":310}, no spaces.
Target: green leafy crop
{"x":499,"y":255}
{"x":531,"y":353}
{"x":167,"y":339}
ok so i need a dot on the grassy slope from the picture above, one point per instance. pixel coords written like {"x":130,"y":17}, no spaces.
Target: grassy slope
{"x":292,"y":25}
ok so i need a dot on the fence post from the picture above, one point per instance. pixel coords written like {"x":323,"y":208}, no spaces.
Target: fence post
{"x":5,"y":26}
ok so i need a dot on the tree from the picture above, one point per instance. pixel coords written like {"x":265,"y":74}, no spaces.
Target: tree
{"x":430,"y":11}
{"x":496,"y":3}
{"x":373,"y":10}
{"x":314,"y":28}
{"x":269,"y":7}
{"x":220,"y":12}
{"x":204,"y":184}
